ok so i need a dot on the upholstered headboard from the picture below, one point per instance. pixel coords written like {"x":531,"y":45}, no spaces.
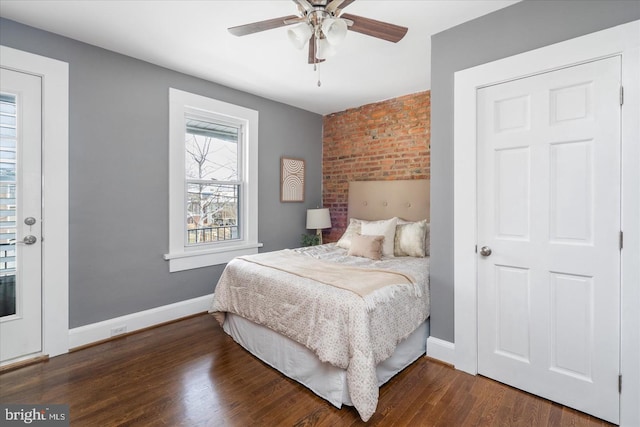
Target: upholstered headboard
{"x":406,"y":199}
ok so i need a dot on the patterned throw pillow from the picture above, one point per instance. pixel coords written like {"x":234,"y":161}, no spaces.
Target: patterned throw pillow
{"x":352,"y":229}
{"x":411,"y":239}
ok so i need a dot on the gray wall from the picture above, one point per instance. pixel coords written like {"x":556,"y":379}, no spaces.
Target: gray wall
{"x":519,"y":28}
{"x":118,"y":173}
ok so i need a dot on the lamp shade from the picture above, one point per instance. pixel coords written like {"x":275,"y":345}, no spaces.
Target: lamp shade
{"x":325,"y":50}
{"x":318,"y":218}
{"x":299,"y":35}
{"x":335,"y":30}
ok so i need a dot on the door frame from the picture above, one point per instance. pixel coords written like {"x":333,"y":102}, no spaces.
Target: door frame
{"x":55,"y":191}
{"x":620,"y":41}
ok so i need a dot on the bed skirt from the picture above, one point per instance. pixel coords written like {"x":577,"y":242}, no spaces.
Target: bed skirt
{"x":299,"y":363}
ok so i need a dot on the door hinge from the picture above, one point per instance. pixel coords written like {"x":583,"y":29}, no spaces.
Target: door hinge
{"x":620,"y":383}
{"x":621,"y":240}
{"x":621,"y":95}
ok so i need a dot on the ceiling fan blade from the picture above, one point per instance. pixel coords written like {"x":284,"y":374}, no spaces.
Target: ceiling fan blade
{"x":255,"y":27}
{"x":312,"y":51}
{"x":338,"y":5}
{"x":373,"y":28}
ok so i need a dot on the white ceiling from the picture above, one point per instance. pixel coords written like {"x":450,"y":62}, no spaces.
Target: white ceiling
{"x":191,"y":37}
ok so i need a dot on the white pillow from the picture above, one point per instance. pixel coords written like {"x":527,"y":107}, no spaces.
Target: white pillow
{"x":386,"y":228}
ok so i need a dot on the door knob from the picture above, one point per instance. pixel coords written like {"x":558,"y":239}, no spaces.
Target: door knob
{"x":485,"y":251}
{"x":28,"y":240}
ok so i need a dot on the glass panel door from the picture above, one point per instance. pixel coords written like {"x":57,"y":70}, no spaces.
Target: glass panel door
{"x":20,"y":215}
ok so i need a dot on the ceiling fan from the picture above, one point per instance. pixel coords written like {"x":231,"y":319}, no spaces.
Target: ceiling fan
{"x":323,"y":25}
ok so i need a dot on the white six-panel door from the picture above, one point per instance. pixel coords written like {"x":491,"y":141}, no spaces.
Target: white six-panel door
{"x":549,"y":213}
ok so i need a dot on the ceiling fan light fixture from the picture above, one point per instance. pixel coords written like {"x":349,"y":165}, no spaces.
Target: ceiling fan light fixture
{"x":299,"y":35}
{"x":322,"y":25}
{"x":335,"y":30}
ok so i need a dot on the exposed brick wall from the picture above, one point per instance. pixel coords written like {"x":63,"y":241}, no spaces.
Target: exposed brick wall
{"x":387,"y":140}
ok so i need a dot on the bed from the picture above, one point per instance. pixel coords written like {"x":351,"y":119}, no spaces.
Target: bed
{"x":341,"y":338}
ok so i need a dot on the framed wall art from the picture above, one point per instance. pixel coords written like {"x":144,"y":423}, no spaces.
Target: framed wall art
{"x":291,"y":180}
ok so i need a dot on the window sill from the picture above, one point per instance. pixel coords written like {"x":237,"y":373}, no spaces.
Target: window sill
{"x":190,"y":259}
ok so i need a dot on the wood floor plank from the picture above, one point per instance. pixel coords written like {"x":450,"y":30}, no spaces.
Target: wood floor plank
{"x":190,"y":373}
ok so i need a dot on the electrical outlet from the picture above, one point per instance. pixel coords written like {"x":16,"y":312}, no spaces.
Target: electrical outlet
{"x":118,"y":330}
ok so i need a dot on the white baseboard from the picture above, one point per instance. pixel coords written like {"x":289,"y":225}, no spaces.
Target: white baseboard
{"x":442,"y":350}
{"x":99,"y":331}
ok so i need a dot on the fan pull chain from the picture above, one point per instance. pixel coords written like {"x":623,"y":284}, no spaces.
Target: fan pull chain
{"x":316,"y":64}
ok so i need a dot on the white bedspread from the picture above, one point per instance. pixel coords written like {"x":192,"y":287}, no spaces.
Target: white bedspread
{"x":334,"y":323}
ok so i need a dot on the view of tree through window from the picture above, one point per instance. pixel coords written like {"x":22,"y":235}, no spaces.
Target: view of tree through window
{"x":212,"y":177}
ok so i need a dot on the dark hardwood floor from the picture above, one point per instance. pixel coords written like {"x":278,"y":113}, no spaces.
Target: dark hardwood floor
{"x":190,"y":373}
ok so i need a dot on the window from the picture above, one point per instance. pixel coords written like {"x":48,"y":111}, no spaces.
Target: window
{"x":213,"y":173}
{"x":8,"y":143}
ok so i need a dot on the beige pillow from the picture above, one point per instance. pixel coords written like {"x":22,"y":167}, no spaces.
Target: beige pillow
{"x":352,"y":229}
{"x":411,"y":239}
{"x":386,"y":228}
{"x":366,"y":246}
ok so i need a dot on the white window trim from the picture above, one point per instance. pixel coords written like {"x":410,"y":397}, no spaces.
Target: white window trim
{"x":183,"y":257}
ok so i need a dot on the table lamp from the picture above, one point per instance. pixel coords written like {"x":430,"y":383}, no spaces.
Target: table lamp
{"x":318,"y":219}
